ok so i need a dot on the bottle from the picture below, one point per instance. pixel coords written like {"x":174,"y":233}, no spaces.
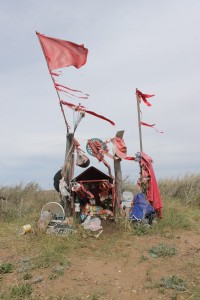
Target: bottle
{"x":77,"y":205}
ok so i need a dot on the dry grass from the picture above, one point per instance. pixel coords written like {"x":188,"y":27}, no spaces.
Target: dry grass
{"x":24,"y":200}
{"x":52,"y":255}
{"x":186,"y":189}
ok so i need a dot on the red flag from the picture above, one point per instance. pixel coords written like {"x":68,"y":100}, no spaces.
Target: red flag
{"x":144,"y":96}
{"x":60,"y":53}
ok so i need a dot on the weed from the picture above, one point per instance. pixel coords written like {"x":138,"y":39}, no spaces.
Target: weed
{"x":141,"y":229}
{"x":94,"y":296}
{"x":27,"y":276}
{"x":48,"y":257}
{"x":172,"y":282}
{"x":6,"y":268}
{"x":143,"y":258}
{"x":57,"y":271}
{"x":25,"y":265}
{"x":195,"y":293}
{"x":52,"y":276}
{"x":162,"y":250}
{"x":19,"y":292}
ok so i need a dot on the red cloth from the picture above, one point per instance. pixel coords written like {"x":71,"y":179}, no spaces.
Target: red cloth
{"x":153,"y":194}
{"x":120,"y":148}
{"x":151,"y":125}
{"x":60,"y":53}
{"x":144,"y":96}
{"x":83,"y":109}
{"x":82,"y":192}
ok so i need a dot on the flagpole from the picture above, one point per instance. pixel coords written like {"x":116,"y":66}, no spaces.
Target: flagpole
{"x":61,"y":106}
{"x":139,"y":120}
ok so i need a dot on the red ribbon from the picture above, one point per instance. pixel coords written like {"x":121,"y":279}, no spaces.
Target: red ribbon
{"x":130,"y":158}
{"x":65,"y":87}
{"x":55,"y":74}
{"x":57,"y":86}
{"x":83,"y":109}
{"x":144,"y":96}
{"x":151,"y":125}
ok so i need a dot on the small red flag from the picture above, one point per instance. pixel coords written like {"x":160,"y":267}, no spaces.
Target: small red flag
{"x":60,"y":53}
{"x":144,"y":96}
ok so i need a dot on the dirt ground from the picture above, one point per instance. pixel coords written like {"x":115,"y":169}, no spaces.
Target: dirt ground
{"x":111,"y":267}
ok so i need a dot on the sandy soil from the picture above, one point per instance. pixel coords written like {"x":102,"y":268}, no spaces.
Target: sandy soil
{"x":124,"y":271}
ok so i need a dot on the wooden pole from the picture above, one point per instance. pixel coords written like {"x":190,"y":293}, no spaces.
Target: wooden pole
{"x":118,"y":173}
{"x":68,"y":168}
{"x":139,"y":120}
{"x":61,"y":106}
{"x":68,"y":172}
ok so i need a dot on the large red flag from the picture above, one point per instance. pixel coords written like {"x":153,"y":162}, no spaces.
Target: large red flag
{"x":60,"y":53}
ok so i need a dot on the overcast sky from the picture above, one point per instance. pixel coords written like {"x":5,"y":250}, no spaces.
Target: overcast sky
{"x":151,"y":45}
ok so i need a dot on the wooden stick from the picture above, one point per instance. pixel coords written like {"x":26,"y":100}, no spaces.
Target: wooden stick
{"x":61,"y":106}
{"x":118,"y":174}
{"x":139,"y":124}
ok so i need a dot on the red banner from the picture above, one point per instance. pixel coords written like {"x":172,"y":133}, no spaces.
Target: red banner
{"x":60,"y":53}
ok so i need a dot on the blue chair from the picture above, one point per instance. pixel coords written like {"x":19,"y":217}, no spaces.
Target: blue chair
{"x":141,"y":210}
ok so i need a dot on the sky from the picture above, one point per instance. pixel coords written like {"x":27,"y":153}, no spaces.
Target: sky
{"x":151,"y":45}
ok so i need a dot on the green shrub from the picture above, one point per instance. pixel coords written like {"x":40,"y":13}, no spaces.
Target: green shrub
{"x":172,"y":282}
{"x":6,"y":268}
{"x":162,"y":250}
{"x":18,"y":292}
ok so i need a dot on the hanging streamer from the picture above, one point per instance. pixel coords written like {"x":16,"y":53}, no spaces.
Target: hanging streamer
{"x":144,"y":96}
{"x":83,"y":110}
{"x":151,"y":125}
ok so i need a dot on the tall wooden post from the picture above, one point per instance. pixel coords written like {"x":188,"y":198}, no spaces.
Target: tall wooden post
{"x":68,"y":167}
{"x":139,"y":120}
{"x":118,"y":173}
{"x":68,"y":171}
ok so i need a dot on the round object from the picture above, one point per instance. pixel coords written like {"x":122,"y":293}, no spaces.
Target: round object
{"x":88,"y":148}
{"x":55,"y":209}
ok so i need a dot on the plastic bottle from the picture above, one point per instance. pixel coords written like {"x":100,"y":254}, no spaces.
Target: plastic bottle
{"x":77,"y":205}
{"x":45,"y":219}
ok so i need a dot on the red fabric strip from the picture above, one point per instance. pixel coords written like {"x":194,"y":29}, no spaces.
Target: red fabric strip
{"x":146,"y":124}
{"x":65,"y":87}
{"x":73,"y":106}
{"x":61,"y":90}
{"x":144,"y":96}
{"x":151,"y":125}
{"x":55,"y":74}
{"x":130,"y":158}
{"x":99,"y":116}
{"x":82,"y":108}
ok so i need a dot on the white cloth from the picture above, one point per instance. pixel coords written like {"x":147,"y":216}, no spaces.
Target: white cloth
{"x":63,"y":187}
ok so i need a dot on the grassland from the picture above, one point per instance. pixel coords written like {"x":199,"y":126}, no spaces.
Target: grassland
{"x":161,"y":262}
